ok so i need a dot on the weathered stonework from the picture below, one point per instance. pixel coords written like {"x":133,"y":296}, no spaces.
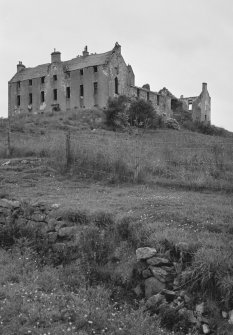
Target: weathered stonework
{"x":88,"y":81}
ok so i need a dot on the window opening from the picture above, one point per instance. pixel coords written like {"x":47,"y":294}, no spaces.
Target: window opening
{"x":30,"y":98}
{"x":55,"y":94}
{"x":68,"y":92}
{"x":42,"y":96}
{"x":116,"y":85}
{"x":81,"y":91}
{"x":95,"y":87}
{"x":190,"y":105}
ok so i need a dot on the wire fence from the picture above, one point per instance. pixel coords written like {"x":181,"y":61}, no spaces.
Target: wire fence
{"x":131,"y":149}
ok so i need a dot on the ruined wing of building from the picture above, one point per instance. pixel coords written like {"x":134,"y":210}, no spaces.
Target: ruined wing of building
{"x":88,"y":81}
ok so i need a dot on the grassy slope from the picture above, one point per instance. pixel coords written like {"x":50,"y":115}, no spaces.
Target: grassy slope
{"x":193,"y":161}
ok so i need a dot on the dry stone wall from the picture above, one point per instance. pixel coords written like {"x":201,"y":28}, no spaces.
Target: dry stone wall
{"x":37,"y":220}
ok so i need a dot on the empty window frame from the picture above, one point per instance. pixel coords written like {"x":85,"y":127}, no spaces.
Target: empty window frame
{"x":95,"y":87}
{"x":42,"y":96}
{"x":55,"y":94}
{"x":138,"y":92}
{"x":81,"y":72}
{"x":42,"y":80}
{"x":30,"y":82}
{"x":18,"y":84}
{"x":81,"y":91}
{"x":95,"y":68}
{"x":116,"y":85}
{"x":158,"y":100}
{"x":67,"y":92}
{"x":190,"y":103}
{"x":54,"y":77}
{"x":148,"y":96}
{"x":30,"y":98}
{"x":18,"y":100}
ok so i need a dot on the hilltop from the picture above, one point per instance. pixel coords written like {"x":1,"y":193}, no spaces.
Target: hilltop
{"x":154,"y":188}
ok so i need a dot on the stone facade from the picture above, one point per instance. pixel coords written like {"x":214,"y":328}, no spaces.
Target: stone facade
{"x":88,"y":81}
{"x":199,"y":107}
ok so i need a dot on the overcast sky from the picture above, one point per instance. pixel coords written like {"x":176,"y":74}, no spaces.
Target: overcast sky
{"x":176,"y":44}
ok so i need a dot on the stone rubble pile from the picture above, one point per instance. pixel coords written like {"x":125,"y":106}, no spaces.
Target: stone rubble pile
{"x":159,"y":283}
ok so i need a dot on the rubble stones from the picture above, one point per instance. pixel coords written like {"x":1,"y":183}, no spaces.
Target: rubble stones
{"x":200,"y":308}
{"x":159,"y":273}
{"x":154,"y":301}
{"x":9,"y":203}
{"x":146,"y":273}
{"x":153,"y":286}
{"x":157,"y":261}
{"x":205,"y":329}
{"x":145,"y":253}
{"x":66,"y":232}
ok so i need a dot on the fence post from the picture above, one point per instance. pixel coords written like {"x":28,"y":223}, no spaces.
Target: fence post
{"x":68,"y":151}
{"x":8,"y":150}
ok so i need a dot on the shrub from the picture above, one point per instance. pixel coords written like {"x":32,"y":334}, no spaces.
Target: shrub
{"x":141,"y":114}
{"x":172,"y":124}
{"x":103,"y":219}
{"x":116,"y":112}
{"x":74,"y":215}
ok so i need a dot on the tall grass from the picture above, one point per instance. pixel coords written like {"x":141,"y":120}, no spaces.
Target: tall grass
{"x":167,"y":157}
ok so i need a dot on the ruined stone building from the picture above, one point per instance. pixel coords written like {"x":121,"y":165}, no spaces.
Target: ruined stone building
{"x":88,"y":81}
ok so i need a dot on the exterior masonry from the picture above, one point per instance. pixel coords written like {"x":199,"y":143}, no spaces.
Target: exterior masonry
{"x":86,"y":81}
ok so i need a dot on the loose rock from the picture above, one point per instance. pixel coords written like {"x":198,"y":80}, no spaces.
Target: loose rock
{"x":159,"y":273}
{"x":157,"y":261}
{"x":205,"y":329}
{"x":154,"y":301}
{"x":145,"y":253}
{"x":153,"y":286}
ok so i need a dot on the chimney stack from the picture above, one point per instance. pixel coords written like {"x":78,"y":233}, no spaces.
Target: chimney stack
{"x":55,"y":56}
{"x":117,"y":48}
{"x":20,"y":66}
{"x":85,"y":52}
{"x":204,"y":87}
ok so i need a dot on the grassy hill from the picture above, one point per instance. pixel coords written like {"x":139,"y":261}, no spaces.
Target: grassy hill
{"x":160,"y":187}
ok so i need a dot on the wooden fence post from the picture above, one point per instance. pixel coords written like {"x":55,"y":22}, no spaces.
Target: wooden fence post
{"x":68,"y":151}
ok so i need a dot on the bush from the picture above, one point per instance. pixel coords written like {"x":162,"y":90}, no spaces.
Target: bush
{"x":116,"y":115}
{"x":141,"y":114}
{"x":172,"y":124}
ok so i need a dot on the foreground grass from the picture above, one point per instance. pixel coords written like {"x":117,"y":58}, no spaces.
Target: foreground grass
{"x":53,"y":301}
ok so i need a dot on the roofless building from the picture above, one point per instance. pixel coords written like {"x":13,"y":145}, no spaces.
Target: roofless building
{"x":87,"y":81}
